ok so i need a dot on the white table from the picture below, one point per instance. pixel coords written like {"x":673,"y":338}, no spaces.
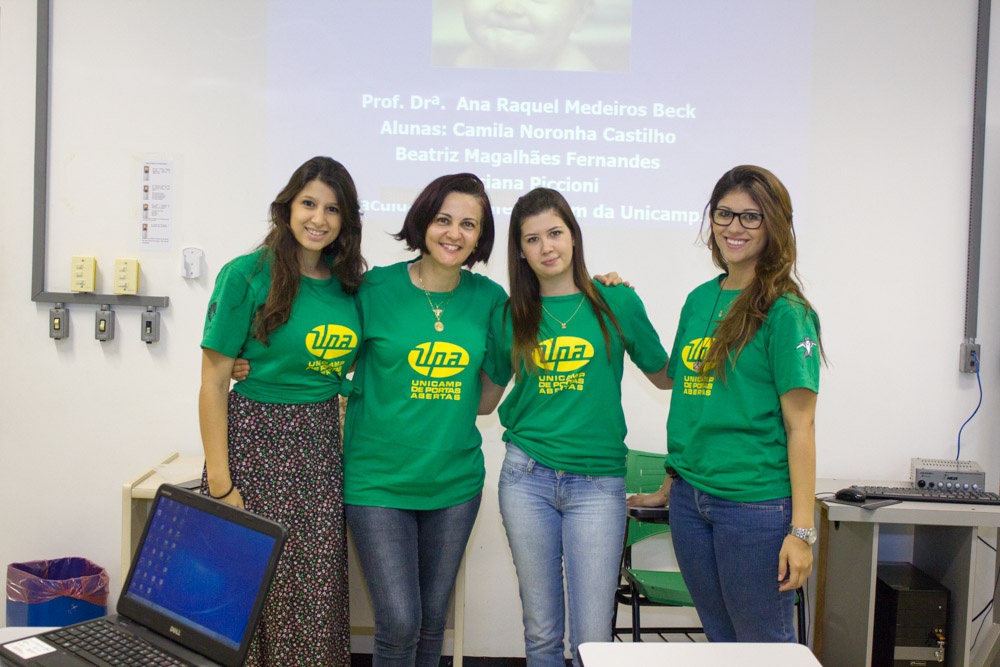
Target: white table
{"x":695,"y":654}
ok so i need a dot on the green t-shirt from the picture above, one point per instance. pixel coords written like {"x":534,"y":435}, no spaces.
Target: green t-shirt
{"x":411,"y":440}
{"x":306,"y":357}
{"x":728,"y":438}
{"x":567,"y":414}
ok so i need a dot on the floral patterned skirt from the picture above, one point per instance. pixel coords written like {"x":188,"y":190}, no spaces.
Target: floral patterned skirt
{"x":286,"y":461}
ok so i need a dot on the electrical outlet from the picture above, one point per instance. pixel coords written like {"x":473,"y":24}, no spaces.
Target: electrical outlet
{"x":104,"y":324}
{"x":58,"y":322}
{"x":150,"y":326}
{"x":969,"y":359}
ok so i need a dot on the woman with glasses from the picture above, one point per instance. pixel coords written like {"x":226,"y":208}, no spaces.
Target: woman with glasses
{"x":740,"y":435}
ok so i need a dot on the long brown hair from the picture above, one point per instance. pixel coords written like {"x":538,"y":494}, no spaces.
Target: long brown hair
{"x":525,"y":291}
{"x":775,"y":274}
{"x":347,"y":264}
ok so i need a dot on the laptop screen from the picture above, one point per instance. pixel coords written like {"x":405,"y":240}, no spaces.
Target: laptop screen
{"x":201,"y":567}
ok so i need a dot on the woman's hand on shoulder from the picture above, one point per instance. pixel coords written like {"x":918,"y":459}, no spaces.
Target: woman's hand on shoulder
{"x":611,"y":279}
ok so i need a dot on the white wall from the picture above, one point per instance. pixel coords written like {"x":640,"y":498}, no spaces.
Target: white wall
{"x":882,"y":255}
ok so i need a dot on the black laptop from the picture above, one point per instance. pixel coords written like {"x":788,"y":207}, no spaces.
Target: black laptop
{"x":192,"y":596}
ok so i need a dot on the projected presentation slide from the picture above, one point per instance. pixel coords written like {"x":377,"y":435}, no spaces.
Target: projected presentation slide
{"x":631,"y":108}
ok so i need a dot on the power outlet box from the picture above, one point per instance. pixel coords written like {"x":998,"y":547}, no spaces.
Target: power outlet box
{"x":969,"y":359}
{"x":58,"y":322}
{"x":126,"y":276}
{"x":104,"y":324}
{"x":83,"y":274}
{"x":150,"y":326}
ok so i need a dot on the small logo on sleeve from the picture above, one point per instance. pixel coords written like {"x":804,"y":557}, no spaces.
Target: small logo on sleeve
{"x":807,"y":344}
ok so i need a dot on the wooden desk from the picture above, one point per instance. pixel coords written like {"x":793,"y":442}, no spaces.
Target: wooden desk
{"x":695,"y":654}
{"x":944,"y":537}
{"x":137,"y":499}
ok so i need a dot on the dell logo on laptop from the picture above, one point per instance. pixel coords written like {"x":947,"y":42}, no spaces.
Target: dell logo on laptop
{"x":175,"y":631}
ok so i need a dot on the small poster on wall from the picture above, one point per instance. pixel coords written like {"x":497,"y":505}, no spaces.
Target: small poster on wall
{"x":155,"y":204}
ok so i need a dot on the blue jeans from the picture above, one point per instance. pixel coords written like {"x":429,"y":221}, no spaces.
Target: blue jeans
{"x":728,"y":554}
{"x":410,"y":559}
{"x":555,"y":519}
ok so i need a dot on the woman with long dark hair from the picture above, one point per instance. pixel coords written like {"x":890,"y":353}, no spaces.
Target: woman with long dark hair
{"x":272,"y":444}
{"x":562,"y":485}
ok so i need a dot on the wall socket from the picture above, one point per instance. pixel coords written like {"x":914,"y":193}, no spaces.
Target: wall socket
{"x":150,"y":326}
{"x":104,"y":324}
{"x":58,"y":322}
{"x":969,"y":359}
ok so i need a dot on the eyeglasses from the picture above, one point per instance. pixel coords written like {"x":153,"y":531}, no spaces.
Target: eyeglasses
{"x":749,"y":219}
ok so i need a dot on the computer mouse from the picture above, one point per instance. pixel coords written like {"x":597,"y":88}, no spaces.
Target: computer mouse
{"x":852,"y":494}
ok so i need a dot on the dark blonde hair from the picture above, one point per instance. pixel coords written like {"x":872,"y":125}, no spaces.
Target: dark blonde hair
{"x":775,"y":275}
{"x":347,"y":264}
{"x":525,"y":304}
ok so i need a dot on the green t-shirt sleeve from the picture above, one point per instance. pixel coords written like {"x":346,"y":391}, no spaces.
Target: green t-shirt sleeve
{"x":794,"y":346}
{"x":642,"y":341}
{"x":231,"y":310}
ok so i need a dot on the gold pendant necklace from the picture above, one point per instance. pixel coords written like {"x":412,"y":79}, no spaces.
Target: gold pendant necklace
{"x":438,"y":308}
{"x":570,"y":317}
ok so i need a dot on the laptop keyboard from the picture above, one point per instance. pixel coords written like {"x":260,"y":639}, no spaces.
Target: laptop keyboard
{"x":104,"y":644}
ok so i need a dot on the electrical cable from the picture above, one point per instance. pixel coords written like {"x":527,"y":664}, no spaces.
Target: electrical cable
{"x":975,"y":359}
{"x":989,"y":605}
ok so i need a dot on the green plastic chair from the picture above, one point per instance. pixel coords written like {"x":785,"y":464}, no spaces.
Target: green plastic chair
{"x":638,"y":587}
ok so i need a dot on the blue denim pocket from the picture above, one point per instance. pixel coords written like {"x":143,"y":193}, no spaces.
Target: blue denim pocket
{"x":515,"y":465}
{"x":769,"y":513}
{"x":612,"y":486}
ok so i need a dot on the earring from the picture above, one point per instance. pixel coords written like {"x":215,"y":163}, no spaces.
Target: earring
{"x":521,"y":254}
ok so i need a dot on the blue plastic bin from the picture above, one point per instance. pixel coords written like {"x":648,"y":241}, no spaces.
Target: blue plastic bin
{"x":55,"y":592}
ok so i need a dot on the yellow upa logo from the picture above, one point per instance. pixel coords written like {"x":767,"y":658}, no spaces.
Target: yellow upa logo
{"x":438,"y":360}
{"x":329,"y":341}
{"x":563,"y":354}
{"x":694,"y":354}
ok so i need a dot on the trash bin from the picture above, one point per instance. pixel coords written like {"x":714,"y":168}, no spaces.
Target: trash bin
{"x":55,"y":592}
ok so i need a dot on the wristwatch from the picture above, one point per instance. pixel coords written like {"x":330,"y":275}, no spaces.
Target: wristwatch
{"x":807,"y":535}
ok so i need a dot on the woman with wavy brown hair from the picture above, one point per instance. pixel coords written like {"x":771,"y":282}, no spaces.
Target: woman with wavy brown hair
{"x":740,"y":436}
{"x":272,"y":444}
